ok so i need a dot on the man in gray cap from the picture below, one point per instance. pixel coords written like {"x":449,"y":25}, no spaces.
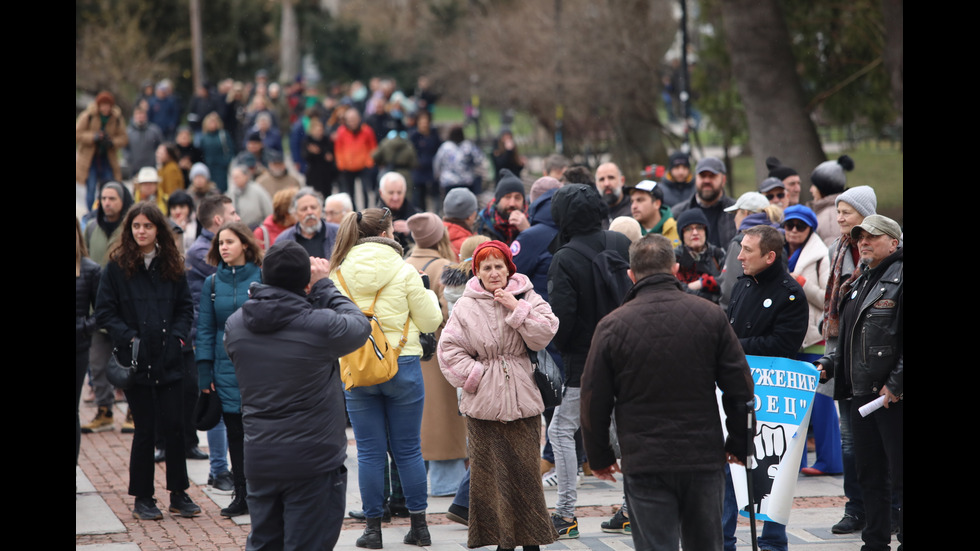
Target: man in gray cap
{"x":284,"y":342}
{"x":869,"y":363}
{"x":709,"y":196}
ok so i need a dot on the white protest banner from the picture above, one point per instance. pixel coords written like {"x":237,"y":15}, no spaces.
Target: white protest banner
{"x":784,"y":392}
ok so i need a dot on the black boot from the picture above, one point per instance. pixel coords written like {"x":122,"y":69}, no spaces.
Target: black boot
{"x":371,"y":538}
{"x":238,"y":505}
{"x":419,"y":534}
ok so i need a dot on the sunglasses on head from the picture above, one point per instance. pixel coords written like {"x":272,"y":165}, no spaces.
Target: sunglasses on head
{"x":772,"y":196}
{"x":797,"y":225}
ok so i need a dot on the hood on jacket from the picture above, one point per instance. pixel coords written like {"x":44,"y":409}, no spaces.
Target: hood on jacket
{"x":540,"y":210}
{"x":577,"y":209}
{"x":127,"y":201}
{"x":271,"y":308}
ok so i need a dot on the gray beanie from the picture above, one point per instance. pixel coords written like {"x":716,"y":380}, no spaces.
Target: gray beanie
{"x":199,"y":169}
{"x":460,"y":203}
{"x":829,"y":176}
{"x":862,"y":198}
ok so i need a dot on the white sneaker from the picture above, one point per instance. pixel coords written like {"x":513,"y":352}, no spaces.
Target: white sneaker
{"x":550,"y":480}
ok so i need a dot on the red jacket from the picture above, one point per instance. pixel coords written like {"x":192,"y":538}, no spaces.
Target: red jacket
{"x":457,"y":234}
{"x":352,"y":150}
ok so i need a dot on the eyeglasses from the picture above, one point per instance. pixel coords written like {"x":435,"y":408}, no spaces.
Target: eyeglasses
{"x":797,"y":225}
{"x":771,"y":196}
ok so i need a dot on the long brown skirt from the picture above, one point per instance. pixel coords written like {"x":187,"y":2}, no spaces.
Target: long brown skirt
{"x":507,"y":506}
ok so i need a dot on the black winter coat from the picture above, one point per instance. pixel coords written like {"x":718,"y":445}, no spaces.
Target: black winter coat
{"x":579,"y":211}
{"x":284,"y":348}
{"x":657,"y":359}
{"x":157,"y":310}
{"x":86,"y":289}
{"x":769,"y":313}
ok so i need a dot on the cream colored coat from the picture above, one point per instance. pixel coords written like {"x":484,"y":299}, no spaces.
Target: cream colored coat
{"x":482,"y":351}
{"x":814,"y":265}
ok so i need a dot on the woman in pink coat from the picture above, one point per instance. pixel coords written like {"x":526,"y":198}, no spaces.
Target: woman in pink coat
{"x":482,"y":350}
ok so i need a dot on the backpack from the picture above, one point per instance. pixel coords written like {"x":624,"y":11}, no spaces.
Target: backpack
{"x":375,"y":361}
{"x":609,"y":277}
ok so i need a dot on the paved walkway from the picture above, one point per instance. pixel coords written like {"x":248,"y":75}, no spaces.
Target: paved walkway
{"x":103,"y":517}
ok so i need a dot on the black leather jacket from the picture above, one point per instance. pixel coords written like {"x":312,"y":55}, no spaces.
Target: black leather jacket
{"x":874,"y":349}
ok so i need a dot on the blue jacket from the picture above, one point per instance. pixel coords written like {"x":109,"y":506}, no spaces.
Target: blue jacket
{"x":530,"y":249}
{"x":213,"y":365}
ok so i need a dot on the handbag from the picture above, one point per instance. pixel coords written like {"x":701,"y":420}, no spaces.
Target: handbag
{"x":547,"y":376}
{"x":122,"y":376}
{"x":428,"y":340}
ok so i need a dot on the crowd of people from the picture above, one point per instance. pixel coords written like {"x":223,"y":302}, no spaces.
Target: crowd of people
{"x":214,"y":258}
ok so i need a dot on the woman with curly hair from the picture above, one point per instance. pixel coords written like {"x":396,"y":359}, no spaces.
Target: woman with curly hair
{"x":145,"y":306}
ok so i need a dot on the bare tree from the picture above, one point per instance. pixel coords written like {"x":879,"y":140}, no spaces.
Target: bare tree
{"x":111,"y":54}
{"x":610,"y":54}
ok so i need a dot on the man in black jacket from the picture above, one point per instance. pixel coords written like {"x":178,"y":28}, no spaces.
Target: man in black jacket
{"x":579,"y":211}
{"x":284,"y":345}
{"x":869,"y":363}
{"x":655,"y":361}
{"x":769,"y":313}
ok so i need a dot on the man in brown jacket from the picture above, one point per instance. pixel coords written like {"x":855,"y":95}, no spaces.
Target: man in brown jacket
{"x":655,"y":362}
{"x":100,"y":133}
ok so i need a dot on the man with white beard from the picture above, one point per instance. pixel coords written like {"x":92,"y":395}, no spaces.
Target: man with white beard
{"x":315,"y":234}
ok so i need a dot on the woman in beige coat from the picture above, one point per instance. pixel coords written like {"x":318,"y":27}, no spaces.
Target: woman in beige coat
{"x":443,"y":428}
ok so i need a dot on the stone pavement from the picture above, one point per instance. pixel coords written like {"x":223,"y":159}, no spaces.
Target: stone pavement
{"x":103,"y":517}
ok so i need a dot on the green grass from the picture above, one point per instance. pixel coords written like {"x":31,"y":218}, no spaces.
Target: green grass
{"x":876,"y":164}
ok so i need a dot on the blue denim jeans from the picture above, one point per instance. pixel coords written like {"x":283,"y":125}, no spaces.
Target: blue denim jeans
{"x":444,"y":475}
{"x":218,"y":448}
{"x":773,"y":535}
{"x":390,"y":414}
{"x":462,"y":497}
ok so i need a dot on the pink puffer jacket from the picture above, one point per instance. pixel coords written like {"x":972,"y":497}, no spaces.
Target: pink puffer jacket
{"x":482,"y":351}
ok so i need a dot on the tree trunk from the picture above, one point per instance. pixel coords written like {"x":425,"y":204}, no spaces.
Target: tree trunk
{"x":765,"y":74}
{"x":894,"y":56}
{"x":288,"y":42}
